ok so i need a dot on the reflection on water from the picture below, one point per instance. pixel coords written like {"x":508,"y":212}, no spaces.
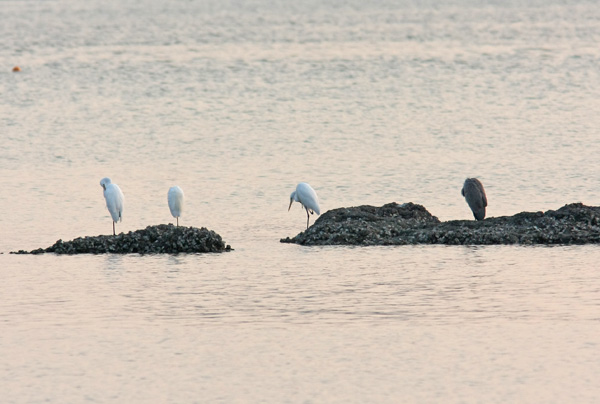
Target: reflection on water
{"x":500,"y":323}
{"x":237,"y":103}
{"x":432,"y":285}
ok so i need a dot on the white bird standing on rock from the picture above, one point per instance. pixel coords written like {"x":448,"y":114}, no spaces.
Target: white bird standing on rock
{"x":175,"y":197}
{"x":307,"y":198}
{"x":114,"y":200}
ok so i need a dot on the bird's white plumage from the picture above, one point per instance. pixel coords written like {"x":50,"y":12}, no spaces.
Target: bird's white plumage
{"x":114,"y":199}
{"x":307,"y":197}
{"x":175,"y":197}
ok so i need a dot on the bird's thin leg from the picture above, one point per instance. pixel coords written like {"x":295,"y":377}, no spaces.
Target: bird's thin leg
{"x":307,"y":218}
{"x":114,"y":234}
{"x":177,"y":221}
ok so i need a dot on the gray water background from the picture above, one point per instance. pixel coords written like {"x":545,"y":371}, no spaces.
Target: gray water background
{"x":237,"y":102}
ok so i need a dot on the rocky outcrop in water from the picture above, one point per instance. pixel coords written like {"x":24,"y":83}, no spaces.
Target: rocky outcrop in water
{"x":395,"y":224}
{"x":161,"y":239}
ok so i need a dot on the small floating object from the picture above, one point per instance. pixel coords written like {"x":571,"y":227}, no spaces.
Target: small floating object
{"x":16,"y":69}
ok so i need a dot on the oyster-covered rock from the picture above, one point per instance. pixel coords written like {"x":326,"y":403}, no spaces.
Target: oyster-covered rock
{"x":160,"y":239}
{"x":395,"y":224}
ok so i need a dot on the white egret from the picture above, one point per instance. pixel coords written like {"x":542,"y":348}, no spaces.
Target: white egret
{"x":114,"y":200}
{"x":307,"y":198}
{"x":475,"y":195}
{"x":175,"y":197}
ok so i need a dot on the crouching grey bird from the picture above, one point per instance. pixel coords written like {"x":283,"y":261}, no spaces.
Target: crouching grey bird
{"x":475,"y":195}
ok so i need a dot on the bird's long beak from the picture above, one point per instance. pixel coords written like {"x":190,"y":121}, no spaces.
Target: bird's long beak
{"x":289,"y":207}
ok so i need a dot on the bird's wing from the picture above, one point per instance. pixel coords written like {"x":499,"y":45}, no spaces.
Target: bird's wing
{"x":176,"y":204}
{"x":308,"y":197}
{"x":114,"y":201}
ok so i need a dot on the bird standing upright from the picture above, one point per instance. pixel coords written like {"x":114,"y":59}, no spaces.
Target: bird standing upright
{"x":114,"y":200}
{"x":175,"y":197}
{"x":307,"y":198}
{"x":475,"y":195}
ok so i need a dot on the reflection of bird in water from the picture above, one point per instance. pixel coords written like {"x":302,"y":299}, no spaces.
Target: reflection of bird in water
{"x":307,"y":198}
{"x":175,"y":197}
{"x":475,"y":195}
{"x":114,"y":200}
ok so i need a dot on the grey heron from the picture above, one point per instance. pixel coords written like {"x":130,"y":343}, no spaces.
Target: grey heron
{"x":475,"y":196}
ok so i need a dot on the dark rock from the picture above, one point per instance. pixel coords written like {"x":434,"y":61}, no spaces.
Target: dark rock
{"x":394,"y":224}
{"x":161,"y":239}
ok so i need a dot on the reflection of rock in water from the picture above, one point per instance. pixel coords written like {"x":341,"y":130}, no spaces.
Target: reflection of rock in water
{"x":394,"y":224}
{"x":161,"y":239}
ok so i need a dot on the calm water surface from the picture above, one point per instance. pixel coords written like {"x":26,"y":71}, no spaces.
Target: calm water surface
{"x":236,"y":102}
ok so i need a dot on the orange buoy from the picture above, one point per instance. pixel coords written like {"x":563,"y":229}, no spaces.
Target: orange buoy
{"x":16,"y":69}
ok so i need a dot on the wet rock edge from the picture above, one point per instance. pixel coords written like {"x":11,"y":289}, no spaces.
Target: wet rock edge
{"x":409,"y":224}
{"x":159,"y":239}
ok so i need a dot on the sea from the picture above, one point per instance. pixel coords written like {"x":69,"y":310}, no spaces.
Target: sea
{"x":236,"y":102}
